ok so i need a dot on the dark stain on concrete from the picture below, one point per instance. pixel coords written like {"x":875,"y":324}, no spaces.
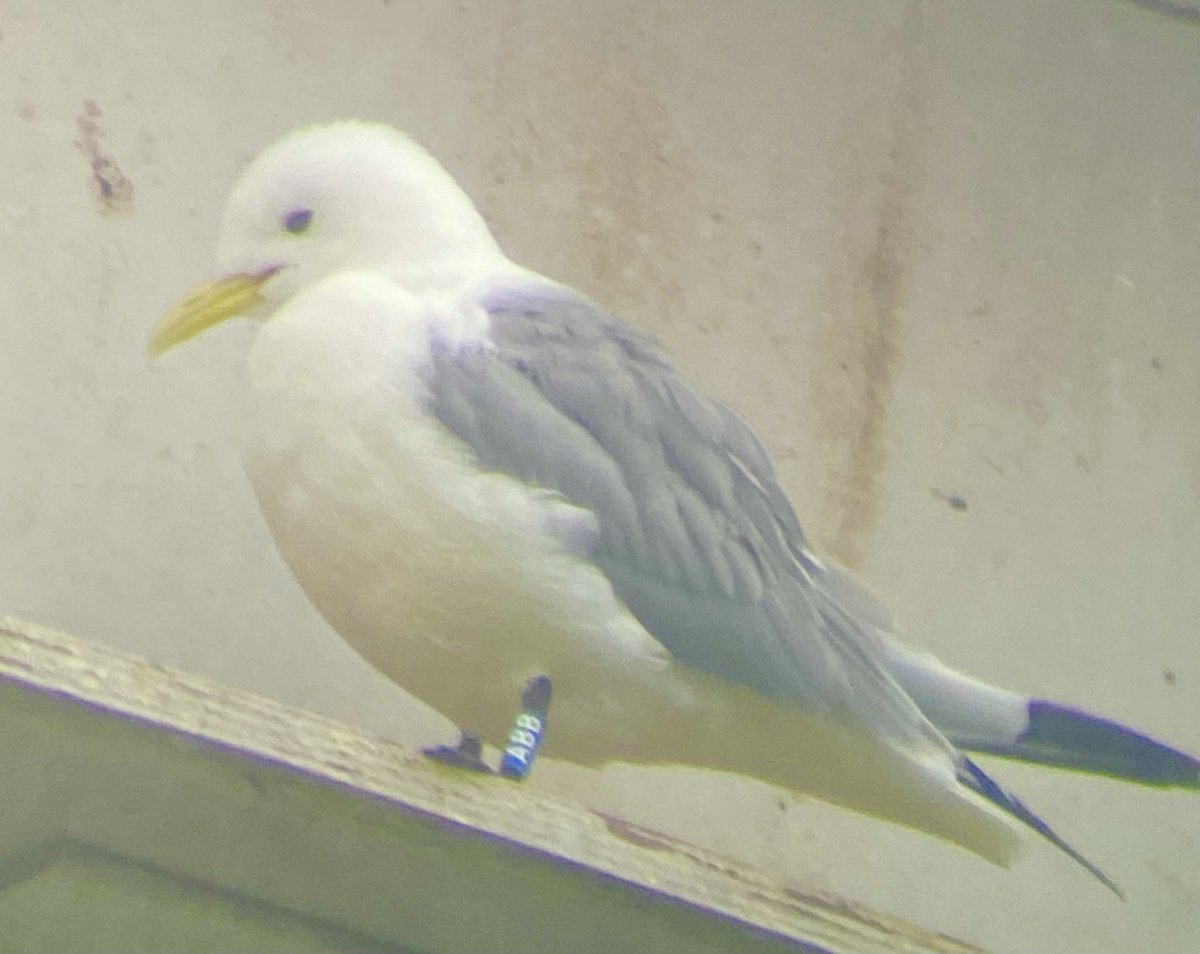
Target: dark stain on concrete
{"x":867,"y":294}
{"x":955,"y":501}
{"x":112,"y":187}
{"x":877,"y":304}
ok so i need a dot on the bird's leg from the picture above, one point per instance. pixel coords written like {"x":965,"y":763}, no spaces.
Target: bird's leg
{"x":528,"y":730}
{"x":524,"y":738}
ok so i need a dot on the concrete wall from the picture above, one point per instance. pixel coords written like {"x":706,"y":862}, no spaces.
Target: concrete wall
{"x":935,"y":252}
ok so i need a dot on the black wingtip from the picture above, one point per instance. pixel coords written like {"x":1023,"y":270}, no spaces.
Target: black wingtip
{"x":1071,"y":738}
{"x":977,"y":779}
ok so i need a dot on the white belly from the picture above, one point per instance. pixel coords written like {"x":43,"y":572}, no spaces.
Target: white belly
{"x":446,"y":579}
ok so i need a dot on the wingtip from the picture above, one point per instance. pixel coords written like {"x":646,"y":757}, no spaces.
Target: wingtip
{"x":978,"y":780}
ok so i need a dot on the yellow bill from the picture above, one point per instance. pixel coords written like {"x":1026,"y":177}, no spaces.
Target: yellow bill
{"x":208,"y":305}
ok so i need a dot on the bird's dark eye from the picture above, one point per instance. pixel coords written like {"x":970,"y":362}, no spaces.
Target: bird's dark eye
{"x":297,"y":221}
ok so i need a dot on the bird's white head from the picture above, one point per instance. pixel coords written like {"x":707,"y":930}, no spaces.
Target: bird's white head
{"x":326,"y":199}
{"x":346,"y":195}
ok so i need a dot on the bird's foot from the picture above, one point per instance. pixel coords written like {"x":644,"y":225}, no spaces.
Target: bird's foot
{"x":468,"y":754}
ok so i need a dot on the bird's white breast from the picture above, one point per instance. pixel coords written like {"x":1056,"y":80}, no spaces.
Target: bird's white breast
{"x":447,"y":579}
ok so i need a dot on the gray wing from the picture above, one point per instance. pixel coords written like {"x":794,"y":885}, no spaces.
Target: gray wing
{"x":694,"y":532}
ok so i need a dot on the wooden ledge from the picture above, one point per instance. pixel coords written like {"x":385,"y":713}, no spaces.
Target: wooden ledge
{"x":147,"y":809}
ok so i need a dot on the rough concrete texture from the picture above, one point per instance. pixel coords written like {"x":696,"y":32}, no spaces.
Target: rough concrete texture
{"x":941,"y":255}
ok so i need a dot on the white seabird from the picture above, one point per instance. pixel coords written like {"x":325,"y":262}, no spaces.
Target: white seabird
{"x":479,"y":476}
